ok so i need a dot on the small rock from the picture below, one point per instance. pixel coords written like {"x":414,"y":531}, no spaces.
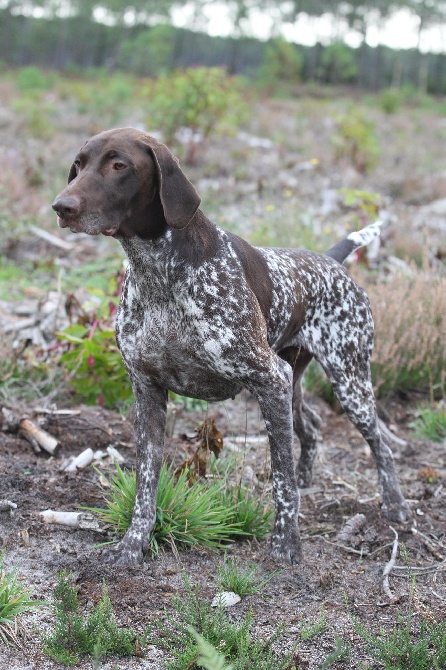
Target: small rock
{"x":225,"y":599}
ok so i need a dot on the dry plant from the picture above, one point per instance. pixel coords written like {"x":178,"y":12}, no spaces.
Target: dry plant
{"x":410,"y":333}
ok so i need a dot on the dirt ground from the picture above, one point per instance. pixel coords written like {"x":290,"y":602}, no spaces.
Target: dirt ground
{"x":330,"y":576}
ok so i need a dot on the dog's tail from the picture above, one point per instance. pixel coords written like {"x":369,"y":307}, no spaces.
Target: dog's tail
{"x":355,"y":240}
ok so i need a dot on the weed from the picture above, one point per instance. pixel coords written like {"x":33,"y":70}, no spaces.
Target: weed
{"x":316,"y":381}
{"x":408,"y":646}
{"x":390,"y":100}
{"x":364,"y":206}
{"x":202,"y":99}
{"x":242,"y":580}
{"x":430,"y":423}
{"x":209,"y":658}
{"x":74,"y":634}
{"x":310,"y":631}
{"x":251,"y":514}
{"x":410,"y":326}
{"x":233,"y":641}
{"x":14,"y":600}
{"x":341,"y":653}
{"x":186,"y":514}
{"x":356,"y":140}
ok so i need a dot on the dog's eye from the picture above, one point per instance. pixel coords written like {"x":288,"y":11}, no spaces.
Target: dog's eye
{"x":119,"y":166}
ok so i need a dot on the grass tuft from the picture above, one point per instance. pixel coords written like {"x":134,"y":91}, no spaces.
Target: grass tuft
{"x":206,"y":514}
{"x":14,"y":600}
{"x":430,"y":423}
{"x":242,"y":580}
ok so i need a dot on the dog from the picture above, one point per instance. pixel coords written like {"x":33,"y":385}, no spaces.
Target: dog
{"x":205,"y":314}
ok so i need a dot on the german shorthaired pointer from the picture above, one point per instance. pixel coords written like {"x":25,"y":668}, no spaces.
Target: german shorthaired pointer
{"x":205,"y":314}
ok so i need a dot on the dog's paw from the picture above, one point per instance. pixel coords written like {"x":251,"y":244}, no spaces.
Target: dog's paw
{"x":399,"y":512}
{"x":125,"y":553}
{"x":287,"y":547}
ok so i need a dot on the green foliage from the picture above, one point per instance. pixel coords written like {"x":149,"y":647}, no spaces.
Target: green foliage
{"x":209,"y":658}
{"x":14,"y":600}
{"x":36,"y":114}
{"x":340,"y":654}
{"x":316,"y":381}
{"x":408,"y":646}
{"x":204,"y":100}
{"x":193,"y":615}
{"x":338,"y":64}
{"x":390,"y":100}
{"x":96,"y":371}
{"x":251,"y":513}
{"x":186,"y":514}
{"x":75,"y":634}
{"x":364,"y":206}
{"x":282,"y":63}
{"x":33,"y":79}
{"x":356,"y":140}
{"x":245,"y":581}
{"x":430,"y":423}
{"x":311,"y":631}
{"x":150,"y":52}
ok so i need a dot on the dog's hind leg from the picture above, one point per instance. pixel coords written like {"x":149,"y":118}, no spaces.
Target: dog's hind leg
{"x":306,"y":422}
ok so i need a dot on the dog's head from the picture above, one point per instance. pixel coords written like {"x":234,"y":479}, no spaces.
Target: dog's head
{"x":124,"y":181}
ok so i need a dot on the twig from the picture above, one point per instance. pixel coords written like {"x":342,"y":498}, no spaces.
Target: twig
{"x":388,"y":568}
{"x":340,"y":546}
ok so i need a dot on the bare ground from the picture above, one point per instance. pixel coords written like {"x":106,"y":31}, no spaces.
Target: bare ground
{"x":333,"y":580}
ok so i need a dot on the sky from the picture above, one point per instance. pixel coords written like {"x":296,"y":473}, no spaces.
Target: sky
{"x":400,"y":32}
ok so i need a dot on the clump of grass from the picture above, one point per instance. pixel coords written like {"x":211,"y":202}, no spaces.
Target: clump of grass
{"x":75,"y":634}
{"x":430,"y":423}
{"x":243,"y":580}
{"x":187,"y":514}
{"x":233,"y":641}
{"x":408,"y":646}
{"x":310,"y":631}
{"x":14,"y":600}
{"x":410,"y":327}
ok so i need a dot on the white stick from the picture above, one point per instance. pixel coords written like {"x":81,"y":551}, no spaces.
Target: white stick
{"x":83,"y":520}
{"x":81,"y":461}
{"x":389,"y":566}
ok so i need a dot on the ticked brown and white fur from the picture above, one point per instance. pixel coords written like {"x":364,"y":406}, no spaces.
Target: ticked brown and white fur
{"x":205,"y":314}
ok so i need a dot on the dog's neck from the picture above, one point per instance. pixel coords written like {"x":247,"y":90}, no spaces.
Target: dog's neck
{"x":171,"y":257}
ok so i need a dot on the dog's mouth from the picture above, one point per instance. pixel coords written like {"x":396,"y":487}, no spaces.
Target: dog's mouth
{"x":76,"y":227}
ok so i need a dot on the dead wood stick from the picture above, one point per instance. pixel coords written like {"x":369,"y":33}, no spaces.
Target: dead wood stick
{"x":388,"y":568}
{"x":36,"y":435}
{"x":51,"y":239}
{"x":351,"y":528}
{"x":83,"y":520}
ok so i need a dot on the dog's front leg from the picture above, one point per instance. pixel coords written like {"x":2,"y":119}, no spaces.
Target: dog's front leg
{"x":150,"y":423}
{"x":275,"y":400}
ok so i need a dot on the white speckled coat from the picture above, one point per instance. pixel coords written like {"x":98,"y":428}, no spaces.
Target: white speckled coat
{"x":205,"y":314}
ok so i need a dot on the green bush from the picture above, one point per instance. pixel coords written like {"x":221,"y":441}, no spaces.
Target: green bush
{"x":76,"y":634}
{"x":150,"y":52}
{"x":338,"y":64}
{"x":33,"y":79}
{"x":356,"y":140}
{"x":14,"y":600}
{"x":390,"y":100}
{"x":282,"y":64}
{"x":204,"y":100}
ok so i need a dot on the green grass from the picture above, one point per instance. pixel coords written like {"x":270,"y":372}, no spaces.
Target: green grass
{"x":311,"y":631}
{"x":205,"y":514}
{"x":430,"y":423}
{"x":75,"y":634}
{"x":14,"y":600}
{"x":412,"y":644}
{"x":244,"y":580}
{"x":177,"y":634}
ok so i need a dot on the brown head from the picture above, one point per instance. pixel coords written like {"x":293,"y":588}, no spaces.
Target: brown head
{"x":125,"y":182}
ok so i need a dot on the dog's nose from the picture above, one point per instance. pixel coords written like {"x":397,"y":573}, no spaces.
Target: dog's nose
{"x":67,"y":207}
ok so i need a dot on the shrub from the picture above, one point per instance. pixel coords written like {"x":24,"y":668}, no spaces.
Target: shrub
{"x":75,"y":634}
{"x":245,"y":581}
{"x":410,"y":323}
{"x":390,"y":100}
{"x":338,"y":64}
{"x":150,"y":52}
{"x":356,"y":140}
{"x":31,"y":78}
{"x":203,"y":100}
{"x":430,"y":423}
{"x":193,"y":615}
{"x":282,"y":63}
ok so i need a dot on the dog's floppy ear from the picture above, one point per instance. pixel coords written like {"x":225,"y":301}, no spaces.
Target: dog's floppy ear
{"x":178,"y":196}
{"x":72,"y":173}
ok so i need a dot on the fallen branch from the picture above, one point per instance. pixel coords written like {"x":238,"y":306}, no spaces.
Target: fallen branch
{"x":37,"y":437}
{"x":80,"y":461}
{"x":82,"y":520}
{"x":350,"y":529}
{"x":388,"y":569}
